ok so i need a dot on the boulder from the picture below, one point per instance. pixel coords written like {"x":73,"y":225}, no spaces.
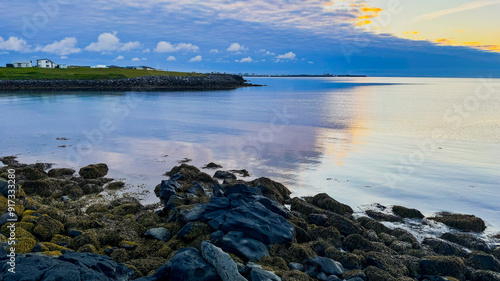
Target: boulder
{"x":189,"y":265}
{"x":242,"y":189}
{"x":222,"y":262}
{"x":317,"y":219}
{"x":272,"y":189}
{"x":389,"y":263}
{"x":467,"y":240}
{"x":376,"y":274}
{"x":193,"y":230}
{"x":444,"y":248}
{"x":407,"y":212}
{"x":326,"y":265}
{"x":224,"y":175}
{"x":324,"y":201}
{"x":358,"y":242}
{"x":483,"y":261}
{"x":461,"y":222}
{"x":443,"y":266}
{"x":382,"y":216}
{"x":484,"y":275}
{"x":245,"y":248}
{"x":344,"y":225}
{"x":258,"y":274}
{"x":94,"y":171}
{"x":159,"y":233}
{"x":115,"y":185}
{"x":60,"y":172}
{"x":196,"y":189}
{"x":212,"y":165}
{"x":4,"y":188}
{"x":296,"y":266}
{"x":167,"y":189}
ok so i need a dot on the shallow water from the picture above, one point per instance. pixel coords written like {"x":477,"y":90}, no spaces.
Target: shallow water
{"x":361,"y":140}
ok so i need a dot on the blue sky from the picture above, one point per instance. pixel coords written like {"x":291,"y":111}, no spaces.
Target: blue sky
{"x":377,"y":37}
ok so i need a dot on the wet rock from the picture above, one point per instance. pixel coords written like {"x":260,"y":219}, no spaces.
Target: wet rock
{"x":317,"y":219}
{"x":483,"y":275}
{"x":316,"y":265}
{"x":94,"y":171}
{"x":74,"y":233}
{"x":196,"y":189}
{"x":382,"y":216}
{"x":407,"y":212}
{"x":324,"y":201}
{"x":467,"y":240}
{"x":443,"y":266}
{"x":356,"y":241}
{"x":115,"y":185}
{"x":212,"y":165}
{"x":296,"y":266}
{"x":483,"y":261}
{"x":344,"y":225}
{"x":389,"y":263}
{"x":258,"y":274}
{"x":224,"y":175}
{"x":222,"y":262}
{"x":167,"y":189}
{"x":61,"y":172}
{"x":272,"y":189}
{"x":4,"y":188}
{"x":243,"y":190}
{"x":461,"y":222}
{"x":159,"y":233}
{"x":188,"y":264}
{"x":245,"y":248}
{"x":443,"y":247}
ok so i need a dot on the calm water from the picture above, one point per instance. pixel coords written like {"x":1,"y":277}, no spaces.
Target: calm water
{"x":427,"y":143}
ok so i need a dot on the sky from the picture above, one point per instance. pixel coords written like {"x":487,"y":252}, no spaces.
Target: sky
{"x":451,"y":38}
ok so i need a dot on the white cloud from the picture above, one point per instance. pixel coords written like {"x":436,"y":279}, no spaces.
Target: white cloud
{"x":214,"y":51}
{"x":64,"y":57}
{"x":460,"y":8}
{"x":119,"y":57}
{"x":195,"y":59}
{"x":236,"y":47}
{"x":64,"y":47}
{"x":107,"y":42}
{"x":167,"y":47}
{"x":171,"y":58}
{"x":287,"y":56}
{"x":266,"y":52}
{"x":147,"y":50}
{"x":144,"y":58}
{"x":14,"y":44}
{"x":136,"y":59}
{"x":311,"y":62}
{"x":247,"y":59}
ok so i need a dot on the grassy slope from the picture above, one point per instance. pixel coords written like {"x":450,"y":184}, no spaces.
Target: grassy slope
{"x":82,"y":73}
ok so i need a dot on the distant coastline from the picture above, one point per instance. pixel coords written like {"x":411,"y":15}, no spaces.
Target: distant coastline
{"x":303,"y":75}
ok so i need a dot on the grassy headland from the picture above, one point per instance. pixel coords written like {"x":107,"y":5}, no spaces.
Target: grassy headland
{"x":35,"y":73}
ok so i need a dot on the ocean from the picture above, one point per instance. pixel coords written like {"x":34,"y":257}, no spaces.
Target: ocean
{"x":426,"y":143}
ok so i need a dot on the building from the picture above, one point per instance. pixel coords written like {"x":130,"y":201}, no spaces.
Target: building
{"x":146,"y":68}
{"x":62,"y":66}
{"x":22,"y":64}
{"x":45,"y":63}
{"x":99,"y":66}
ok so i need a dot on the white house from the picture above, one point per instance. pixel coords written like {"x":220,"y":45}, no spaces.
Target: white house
{"x":62,"y":66}
{"x":45,"y":63}
{"x":21,"y":64}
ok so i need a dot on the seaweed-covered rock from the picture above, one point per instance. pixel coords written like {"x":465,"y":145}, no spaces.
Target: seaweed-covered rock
{"x":188,"y":264}
{"x":324,"y":201}
{"x":467,"y":240}
{"x":344,"y":225}
{"x":61,"y":172}
{"x":222,"y":262}
{"x":316,"y":265}
{"x":33,"y":174}
{"x":348,"y":260}
{"x":407,"y":212}
{"x":358,"y":242}
{"x":443,"y":247}
{"x":483,"y":261}
{"x":46,"y":227}
{"x":115,"y":185}
{"x":383,"y":216}
{"x":272,"y":189}
{"x":245,"y":248}
{"x":461,"y":222}
{"x":443,"y":266}
{"x":484,"y":275}
{"x":94,"y":171}
{"x":193,"y":230}
{"x":44,"y":188}
{"x":389,"y":263}
{"x":224,"y":175}
{"x":376,"y":274}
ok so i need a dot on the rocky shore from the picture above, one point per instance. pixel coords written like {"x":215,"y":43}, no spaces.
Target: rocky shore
{"x":145,"y":83}
{"x":235,"y":230}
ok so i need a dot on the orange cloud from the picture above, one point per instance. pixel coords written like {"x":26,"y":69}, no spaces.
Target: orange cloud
{"x":364,"y":22}
{"x":443,"y":41}
{"x":371,"y":9}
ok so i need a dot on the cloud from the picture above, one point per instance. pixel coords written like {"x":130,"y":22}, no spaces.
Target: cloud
{"x":310,"y":62}
{"x":64,"y":47}
{"x":214,"y":51}
{"x":236,"y":47}
{"x":171,"y":58}
{"x":64,"y":57}
{"x":14,"y":44}
{"x":459,"y":8}
{"x":195,"y":59}
{"x":247,"y":59}
{"x":147,"y":50}
{"x":167,"y":47}
{"x":287,"y":56}
{"x":107,"y":42}
{"x":136,"y":59}
{"x":119,"y":57}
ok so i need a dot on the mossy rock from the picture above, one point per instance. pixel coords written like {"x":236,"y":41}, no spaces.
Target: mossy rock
{"x":461,"y":222}
{"x":293,"y":253}
{"x":126,"y":209}
{"x":164,"y":251}
{"x":53,"y":212}
{"x":72,"y":190}
{"x":4,"y":206}
{"x":44,"y":188}
{"x":88,"y":248}
{"x":59,"y":239}
{"x":146,"y":265}
{"x":387,"y":262}
{"x":88,"y":237}
{"x":128,"y":245}
{"x":443,"y":266}
{"x":354,"y":273}
{"x":301,"y":206}
{"x":60,"y":172}
{"x":148,"y":219}
{"x":294,"y":275}
{"x":120,"y":255}
{"x":324,"y":201}
{"x":97,"y":208}
{"x":193,"y":230}
{"x":91,"y":189}
{"x":272,"y":189}
{"x":148,"y":248}
{"x":53,"y":247}
{"x":78,"y":222}
{"x":329,"y":234}
{"x":407,"y":212}
{"x":274,"y":263}
{"x":348,"y":260}
{"x":52,"y":253}
{"x":46,"y":227}
{"x":376,"y":274}
{"x":111,"y":237}
{"x":94,"y":171}
{"x":115,"y":185}
{"x":21,"y":233}
{"x":32,"y":174}
{"x":24,"y":245}
{"x":358,"y":242}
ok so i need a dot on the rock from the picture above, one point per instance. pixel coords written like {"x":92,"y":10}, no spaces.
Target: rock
{"x":167,"y":189}
{"x":245,"y":248}
{"x":61,"y":172}
{"x":407,"y":213}
{"x":353,"y":274}
{"x":242,"y":189}
{"x":4,"y":188}
{"x":329,"y":234}
{"x":159,"y":233}
{"x":128,"y":245}
{"x":44,"y":188}
{"x":176,"y":177}
{"x":222,"y":262}
{"x":74,"y":233}
{"x":116,"y":185}
{"x":193,"y":230}
{"x":65,"y":199}
{"x":443,"y":247}
{"x":443,"y":266}
{"x":272,"y":189}
{"x":322,"y":264}
{"x":46,"y":227}
{"x":272,"y":205}
{"x":244,"y":173}
{"x":195,"y":214}
{"x":483,"y":275}
{"x":344,"y":225}
{"x":370,"y":223}
{"x":196,"y":189}
{"x":358,"y":242}
{"x":324,"y":201}
{"x":348,"y":260}
{"x":189,"y":265}
{"x":212,"y":165}
{"x":296,"y":266}
{"x":376,"y":274}
{"x":467,"y":240}
{"x":321,"y":276}
{"x":483,"y":261}
{"x":461,"y":222}
{"x":6,"y":217}
{"x":383,"y":217}
{"x":94,"y":171}
{"x":317,"y":219}
{"x":258,"y":274}
{"x":389,"y":263}
{"x":224,"y":175}
{"x":400,"y":246}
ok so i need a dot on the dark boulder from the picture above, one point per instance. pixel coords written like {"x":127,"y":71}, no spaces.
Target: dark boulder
{"x":272,"y":189}
{"x":344,"y":225}
{"x":324,"y":201}
{"x":407,"y":212}
{"x":461,"y":222}
{"x":443,"y":266}
{"x":317,"y":219}
{"x":159,"y":233}
{"x":483,"y":261}
{"x":189,"y":265}
{"x":212,"y":165}
{"x":321,"y":264}
{"x":94,"y":171}
{"x":382,"y":216}
{"x":444,"y":248}
{"x":61,"y":172}
{"x":258,"y":274}
{"x":196,"y":189}
{"x":242,"y":189}
{"x":167,"y":189}
{"x":467,"y":240}
{"x":484,"y":275}
{"x":224,"y":175}
{"x":245,"y":248}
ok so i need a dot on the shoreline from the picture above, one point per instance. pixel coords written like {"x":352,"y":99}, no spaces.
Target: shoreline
{"x":143,"y":83}
{"x":249,"y":223}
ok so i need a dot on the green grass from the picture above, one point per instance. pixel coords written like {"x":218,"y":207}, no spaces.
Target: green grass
{"x":35,"y":73}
